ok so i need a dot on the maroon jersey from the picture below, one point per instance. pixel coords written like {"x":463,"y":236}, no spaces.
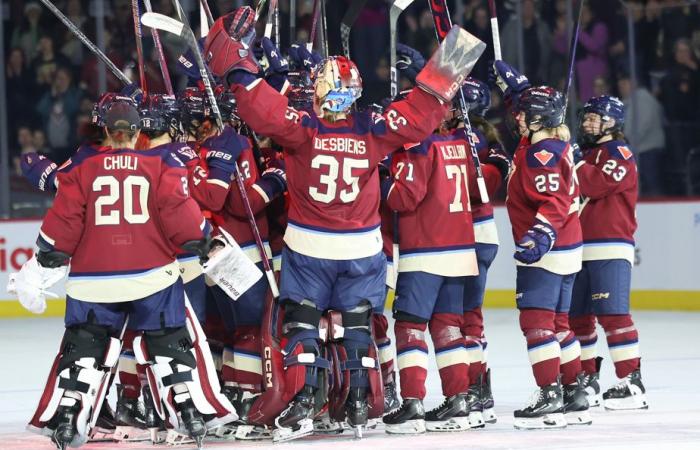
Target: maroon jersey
{"x":121,"y":214}
{"x":332,"y":167}
{"x":542,"y":187}
{"x":431,"y":193}
{"x":608,"y":179}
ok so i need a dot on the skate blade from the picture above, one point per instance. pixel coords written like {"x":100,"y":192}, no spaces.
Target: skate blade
{"x":416,"y":426}
{"x":199,"y":441}
{"x":490,"y":416}
{"x":372,"y":424}
{"x":476,"y":420}
{"x":326,"y":426}
{"x":450,"y":425}
{"x":594,"y":400}
{"x":101,"y":435}
{"x":306,"y":428}
{"x":176,"y":438}
{"x":252,"y":433}
{"x":131,"y":434}
{"x":359,"y":431}
{"x":578,"y":418}
{"x":157,"y":435}
{"x":223,"y":432}
{"x":626,"y":404}
{"x":550,"y":421}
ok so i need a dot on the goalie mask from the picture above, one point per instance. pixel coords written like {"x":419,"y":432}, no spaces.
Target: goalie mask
{"x":337,"y":85}
{"x":610,"y":112}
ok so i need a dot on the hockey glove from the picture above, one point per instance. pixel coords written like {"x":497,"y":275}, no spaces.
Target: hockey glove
{"x":537,"y":241}
{"x":132,"y":90}
{"x":577,"y":152}
{"x":39,"y":171}
{"x":228,"y":47}
{"x":277,"y":66}
{"x":409,"y":62}
{"x":302,"y":59}
{"x":31,"y":282}
{"x":222,"y":152}
{"x":186,"y":154}
{"x":497,"y":157}
{"x":508,"y":80}
{"x":274,"y":180}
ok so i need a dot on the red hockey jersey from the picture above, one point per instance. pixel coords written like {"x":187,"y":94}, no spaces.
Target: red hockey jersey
{"x":431,"y":193}
{"x":332,"y":167}
{"x":608,"y":179}
{"x":542,"y":186}
{"x":121,"y":214}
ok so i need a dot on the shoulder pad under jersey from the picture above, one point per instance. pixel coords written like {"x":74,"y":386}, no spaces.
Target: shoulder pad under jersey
{"x":546,"y":153}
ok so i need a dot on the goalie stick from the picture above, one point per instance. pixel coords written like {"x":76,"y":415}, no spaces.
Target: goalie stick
{"x":165,"y":23}
{"x":87,"y":42}
{"x":443,"y":24}
{"x":346,"y":23}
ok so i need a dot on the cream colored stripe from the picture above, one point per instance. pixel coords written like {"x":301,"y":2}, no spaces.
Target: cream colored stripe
{"x":570,"y":352}
{"x":624,"y":352}
{"x":608,"y":251}
{"x":335,"y":246}
{"x":589,"y":351}
{"x":46,"y":237}
{"x":262,"y":193}
{"x":544,"y":352}
{"x":451,"y":357}
{"x":247,"y":363}
{"x":486,"y":232}
{"x":457,"y":263}
{"x":563,"y":262}
{"x":413,"y":358}
{"x":475,"y":354}
{"x":127,"y":364}
{"x":218,"y":182}
{"x":190,"y":269}
{"x":386,"y":354}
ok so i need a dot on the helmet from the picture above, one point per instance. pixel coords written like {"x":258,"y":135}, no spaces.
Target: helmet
{"x":194,"y":109}
{"x":542,"y":105}
{"x":159,"y":113}
{"x":608,"y":108}
{"x":477,"y":95}
{"x":301,"y":91}
{"x":337,"y":84}
{"x":100,"y":108}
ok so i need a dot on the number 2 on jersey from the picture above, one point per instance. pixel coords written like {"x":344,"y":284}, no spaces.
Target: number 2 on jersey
{"x":330,"y":179}
{"x":112,"y":196}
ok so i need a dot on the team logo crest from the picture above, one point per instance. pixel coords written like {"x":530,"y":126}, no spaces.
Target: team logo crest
{"x":544,"y":157}
{"x":624,"y":151}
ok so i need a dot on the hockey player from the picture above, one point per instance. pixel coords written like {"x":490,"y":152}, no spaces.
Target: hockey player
{"x":607,"y":176}
{"x":333,"y":257}
{"x":431,"y":194}
{"x":542,"y":204}
{"x":118,"y":200}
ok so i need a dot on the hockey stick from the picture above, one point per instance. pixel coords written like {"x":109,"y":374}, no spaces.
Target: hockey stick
{"x":270,"y":19}
{"x":87,"y":42}
{"x":324,"y":30}
{"x":397,"y":7}
{"x":347,"y":22}
{"x":443,"y":24}
{"x":292,"y":21}
{"x":572,"y":55}
{"x":161,"y":55}
{"x":139,"y":46}
{"x":314,"y":24}
{"x":495,"y":34}
{"x":204,"y":5}
{"x":203,"y":22}
{"x":165,"y":23}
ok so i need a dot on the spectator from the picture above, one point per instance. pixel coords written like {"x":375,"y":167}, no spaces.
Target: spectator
{"x":20,"y":90}
{"x":677,"y":22}
{"x":121,"y":28}
{"x":72,"y":48}
{"x":480,"y":27}
{"x":39,"y":141}
{"x":644,"y":131}
{"x":46,"y":63}
{"x":26,"y":35}
{"x":591,"y":53}
{"x":679,"y":88}
{"x":58,"y":109}
{"x":26,"y":145}
{"x":536,"y":43}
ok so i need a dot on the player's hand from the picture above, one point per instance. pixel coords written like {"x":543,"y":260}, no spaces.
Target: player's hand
{"x":409,"y":62}
{"x":302,"y":59}
{"x":132,"y":90}
{"x":228,"y":47}
{"x":577,"y":153}
{"x":39,"y":171}
{"x":222,"y":152}
{"x":274,"y":179}
{"x":537,"y":241}
{"x":507,"y":79}
{"x":186,"y":154}
{"x":276,"y":63}
{"x":499,"y":158}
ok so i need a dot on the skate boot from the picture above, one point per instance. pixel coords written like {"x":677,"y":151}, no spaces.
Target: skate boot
{"x":546,"y":410}
{"x":242,"y":400}
{"x":409,"y":419}
{"x":486,"y":396}
{"x":131,"y":420}
{"x":296,"y":421}
{"x":193,"y":421}
{"x":575,"y":403}
{"x":105,"y":425}
{"x":154,"y":424}
{"x":629,"y":393}
{"x":65,"y":430}
{"x":357,"y":410}
{"x":451,"y":415}
{"x":391,"y":397}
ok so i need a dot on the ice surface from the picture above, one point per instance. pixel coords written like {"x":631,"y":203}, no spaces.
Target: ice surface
{"x":670,"y":369}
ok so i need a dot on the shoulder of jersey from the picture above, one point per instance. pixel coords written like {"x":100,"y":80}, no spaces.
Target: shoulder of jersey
{"x":83,"y":152}
{"x":619,"y":150}
{"x":546,"y":153}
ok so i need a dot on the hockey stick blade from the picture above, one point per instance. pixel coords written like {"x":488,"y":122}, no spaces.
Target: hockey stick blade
{"x":164,"y":23}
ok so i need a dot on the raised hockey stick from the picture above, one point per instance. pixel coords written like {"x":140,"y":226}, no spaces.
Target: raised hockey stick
{"x":139,"y":46}
{"x":205,"y":7}
{"x":397,"y":7}
{"x":495,"y":34}
{"x":324,"y":30}
{"x":314,"y":23}
{"x":269,"y":23}
{"x":572,"y":55}
{"x":292,"y":21}
{"x":161,"y":54}
{"x":87,"y":42}
{"x":347,"y":22}
{"x":165,"y":23}
{"x":443,"y":24}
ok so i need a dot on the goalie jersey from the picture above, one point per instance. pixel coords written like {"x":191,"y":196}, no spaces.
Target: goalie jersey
{"x":121,"y":214}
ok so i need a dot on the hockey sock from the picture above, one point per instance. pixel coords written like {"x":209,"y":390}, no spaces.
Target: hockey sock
{"x":451,"y":353}
{"x":584,"y":329}
{"x":128,"y":374}
{"x":380,"y":326}
{"x":472,"y":330}
{"x":412,"y":358}
{"x":570,"y":359}
{"x":542,"y":345}
{"x":623,"y":342}
{"x":242,"y":364}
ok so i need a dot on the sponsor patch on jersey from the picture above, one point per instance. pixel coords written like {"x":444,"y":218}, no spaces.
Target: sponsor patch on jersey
{"x":544,"y":157}
{"x":624,"y":151}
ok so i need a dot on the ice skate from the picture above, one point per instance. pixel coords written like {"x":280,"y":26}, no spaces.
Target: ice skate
{"x":154,"y":424}
{"x":486,"y":396}
{"x":193,"y":421}
{"x":296,"y":421}
{"x":357,"y":411}
{"x":628,"y":394}
{"x":65,"y":430}
{"x":391,"y":398}
{"x":575,"y":403}
{"x":592,"y":387}
{"x":104,"y":426}
{"x":243,"y":400}
{"x":130,"y":418}
{"x":451,"y":415}
{"x":409,"y":419}
{"x":546,"y":410}
{"x":323,"y":424}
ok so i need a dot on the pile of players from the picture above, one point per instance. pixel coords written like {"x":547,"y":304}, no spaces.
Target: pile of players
{"x":349,"y":190}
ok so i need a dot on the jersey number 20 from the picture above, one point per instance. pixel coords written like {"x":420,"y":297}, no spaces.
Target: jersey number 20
{"x":103,"y":217}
